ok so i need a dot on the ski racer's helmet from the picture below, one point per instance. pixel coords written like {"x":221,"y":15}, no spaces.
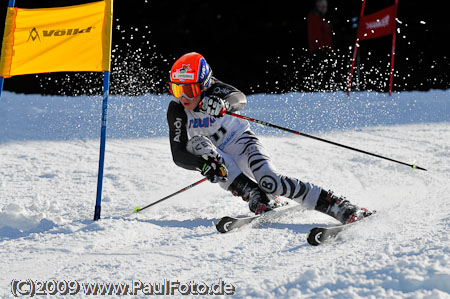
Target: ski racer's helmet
{"x":190,"y":75}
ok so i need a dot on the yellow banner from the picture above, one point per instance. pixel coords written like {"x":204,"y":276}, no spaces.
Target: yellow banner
{"x":62,"y":39}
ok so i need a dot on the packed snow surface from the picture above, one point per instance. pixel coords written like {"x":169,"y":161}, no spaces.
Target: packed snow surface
{"x":48,"y":176}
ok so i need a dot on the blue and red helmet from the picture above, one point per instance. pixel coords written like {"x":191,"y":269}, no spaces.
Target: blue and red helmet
{"x":191,"y":68}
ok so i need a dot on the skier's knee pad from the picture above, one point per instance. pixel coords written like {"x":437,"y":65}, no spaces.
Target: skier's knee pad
{"x":304,"y":193}
{"x":269,"y":183}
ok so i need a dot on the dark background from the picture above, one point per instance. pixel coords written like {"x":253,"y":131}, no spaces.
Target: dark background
{"x":257,"y":46}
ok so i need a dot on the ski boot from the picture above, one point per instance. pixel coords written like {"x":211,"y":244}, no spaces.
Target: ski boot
{"x":340,"y":208}
{"x":258,"y":201}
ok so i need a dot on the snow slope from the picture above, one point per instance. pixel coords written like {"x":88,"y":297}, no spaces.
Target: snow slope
{"x":48,"y":175}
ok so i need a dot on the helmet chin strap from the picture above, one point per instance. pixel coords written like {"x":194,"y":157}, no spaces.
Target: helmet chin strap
{"x":199,"y":105}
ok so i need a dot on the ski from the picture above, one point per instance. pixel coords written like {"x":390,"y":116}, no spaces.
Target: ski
{"x":227,"y":223}
{"x":319,"y":235}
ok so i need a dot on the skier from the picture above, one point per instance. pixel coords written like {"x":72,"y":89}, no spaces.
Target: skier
{"x":224,"y":149}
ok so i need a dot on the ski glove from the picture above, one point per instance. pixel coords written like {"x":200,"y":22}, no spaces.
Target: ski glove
{"x":214,"y":168}
{"x":214,"y":106}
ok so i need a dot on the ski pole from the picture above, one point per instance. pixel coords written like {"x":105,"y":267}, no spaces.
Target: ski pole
{"x":414,"y":166}
{"x":138,"y":209}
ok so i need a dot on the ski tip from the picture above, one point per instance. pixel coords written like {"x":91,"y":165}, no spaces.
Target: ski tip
{"x":223,"y":225}
{"x":137,"y":209}
{"x":314,"y":236}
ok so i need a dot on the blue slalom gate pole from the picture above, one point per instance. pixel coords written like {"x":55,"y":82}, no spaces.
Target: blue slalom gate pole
{"x":98,"y":202}
{"x":11,"y":3}
{"x":1,"y":87}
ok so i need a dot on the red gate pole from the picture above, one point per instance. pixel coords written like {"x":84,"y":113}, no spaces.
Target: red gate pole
{"x":355,"y":50}
{"x":394,"y":34}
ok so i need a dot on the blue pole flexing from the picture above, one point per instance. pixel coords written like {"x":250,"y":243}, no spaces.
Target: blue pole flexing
{"x":11,"y":3}
{"x":101,"y":162}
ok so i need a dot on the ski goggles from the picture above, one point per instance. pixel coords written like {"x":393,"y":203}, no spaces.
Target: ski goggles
{"x":188,"y":90}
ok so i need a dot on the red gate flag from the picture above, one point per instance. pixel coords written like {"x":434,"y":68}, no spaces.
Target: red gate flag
{"x":378,"y":24}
